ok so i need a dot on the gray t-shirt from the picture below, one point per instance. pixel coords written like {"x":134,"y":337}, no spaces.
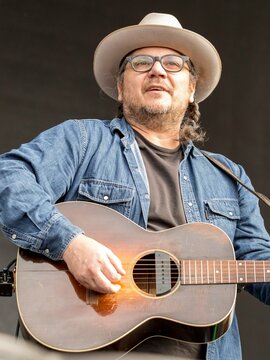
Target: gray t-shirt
{"x":166,"y":211}
{"x":166,"y":207}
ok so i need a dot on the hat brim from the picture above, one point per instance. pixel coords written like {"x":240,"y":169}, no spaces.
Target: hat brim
{"x":119,"y":43}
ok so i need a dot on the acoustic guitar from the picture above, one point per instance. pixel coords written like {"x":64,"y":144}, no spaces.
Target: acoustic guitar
{"x":179,"y":283}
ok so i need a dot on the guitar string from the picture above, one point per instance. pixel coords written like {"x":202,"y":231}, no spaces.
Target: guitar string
{"x":198,"y":271}
{"x":196,"y":281}
{"x":192,"y":267}
{"x":174,"y":275}
{"x":199,"y":276}
{"x":251,"y":263}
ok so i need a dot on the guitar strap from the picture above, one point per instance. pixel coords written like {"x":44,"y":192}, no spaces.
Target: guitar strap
{"x":216,"y":162}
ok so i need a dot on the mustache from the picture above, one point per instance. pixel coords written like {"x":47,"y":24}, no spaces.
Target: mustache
{"x":156,"y":85}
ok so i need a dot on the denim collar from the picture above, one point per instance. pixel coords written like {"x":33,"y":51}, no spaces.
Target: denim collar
{"x":127,"y":135}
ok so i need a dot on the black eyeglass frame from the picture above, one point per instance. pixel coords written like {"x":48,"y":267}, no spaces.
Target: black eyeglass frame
{"x":129,"y":59}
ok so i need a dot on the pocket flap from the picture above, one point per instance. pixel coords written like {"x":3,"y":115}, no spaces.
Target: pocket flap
{"x":228,"y":208}
{"x":105,"y":192}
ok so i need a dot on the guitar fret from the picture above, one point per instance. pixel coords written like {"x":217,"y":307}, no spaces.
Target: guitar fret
{"x":221,"y":272}
{"x":184,"y":272}
{"x":259,"y":271}
{"x":189,"y":272}
{"x":195,"y":266}
{"x":268,"y":271}
{"x":214,"y":270}
{"x":229,"y":271}
{"x":218,"y":272}
{"x":235,"y":271}
{"x":241,"y":276}
{"x":255,"y":279}
{"x":207,"y":269}
{"x":201,"y":272}
{"x":263,"y":271}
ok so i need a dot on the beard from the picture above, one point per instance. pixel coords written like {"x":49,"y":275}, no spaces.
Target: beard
{"x":158,"y":117}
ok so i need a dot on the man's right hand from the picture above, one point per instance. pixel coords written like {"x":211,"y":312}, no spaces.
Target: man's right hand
{"x":93,"y":265}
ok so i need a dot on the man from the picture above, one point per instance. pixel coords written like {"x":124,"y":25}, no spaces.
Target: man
{"x":143,"y":164}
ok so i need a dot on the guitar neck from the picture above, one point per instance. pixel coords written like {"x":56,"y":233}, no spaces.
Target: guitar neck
{"x":224,"y":271}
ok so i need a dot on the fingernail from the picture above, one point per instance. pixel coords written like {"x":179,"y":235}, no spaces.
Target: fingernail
{"x":116,"y":287}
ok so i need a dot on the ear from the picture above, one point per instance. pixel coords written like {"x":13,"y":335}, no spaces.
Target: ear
{"x":192,"y":92}
{"x":119,"y":89}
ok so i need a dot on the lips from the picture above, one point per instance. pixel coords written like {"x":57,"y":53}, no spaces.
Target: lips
{"x":156,"y":88}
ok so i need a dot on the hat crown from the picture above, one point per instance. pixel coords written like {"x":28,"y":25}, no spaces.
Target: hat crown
{"x":161,"y":19}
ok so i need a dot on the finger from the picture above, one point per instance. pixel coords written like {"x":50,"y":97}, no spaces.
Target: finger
{"x":110,"y":271}
{"x":103,"y":285}
{"x":104,"y":264}
{"x":116,"y":262}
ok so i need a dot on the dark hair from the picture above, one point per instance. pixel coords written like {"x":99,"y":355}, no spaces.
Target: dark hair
{"x":190,"y":127}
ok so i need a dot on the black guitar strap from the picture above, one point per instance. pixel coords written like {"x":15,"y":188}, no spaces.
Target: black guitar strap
{"x":262,"y":197}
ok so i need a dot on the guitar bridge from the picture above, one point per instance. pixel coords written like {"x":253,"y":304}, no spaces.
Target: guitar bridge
{"x":91,"y":297}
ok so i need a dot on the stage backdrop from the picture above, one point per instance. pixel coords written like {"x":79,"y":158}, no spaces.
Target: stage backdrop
{"x":46,"y":77}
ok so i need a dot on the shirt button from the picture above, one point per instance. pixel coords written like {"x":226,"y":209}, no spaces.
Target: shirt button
{"x":190,"y":204}
{"x":47,"y":251}
{"x":14,"y":236}
{"x":231,"y":213}
{"x":105,"y":197}
{"x":185,"y":177}
{"x":146,"y":196}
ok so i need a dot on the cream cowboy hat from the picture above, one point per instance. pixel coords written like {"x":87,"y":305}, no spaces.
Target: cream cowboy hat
{"x":161,"y":30}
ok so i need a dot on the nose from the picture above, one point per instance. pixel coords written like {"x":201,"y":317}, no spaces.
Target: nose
{"x":157,"y":70}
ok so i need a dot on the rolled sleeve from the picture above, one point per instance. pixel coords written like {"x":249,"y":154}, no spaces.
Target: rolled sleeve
{"x":33,"y":178}
{"x":51,"y":241}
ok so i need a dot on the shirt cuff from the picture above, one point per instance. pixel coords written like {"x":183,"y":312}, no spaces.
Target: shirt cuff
{"x":51,"y":241}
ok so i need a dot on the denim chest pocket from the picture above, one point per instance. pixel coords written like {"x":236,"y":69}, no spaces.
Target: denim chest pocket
{"x":114,"y":195}
{"x":223,"y":213}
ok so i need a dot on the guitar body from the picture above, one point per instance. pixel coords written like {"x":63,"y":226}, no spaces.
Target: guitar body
{"x":61,"y":314}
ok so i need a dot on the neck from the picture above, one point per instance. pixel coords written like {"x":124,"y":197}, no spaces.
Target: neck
{"x":161,"y":126}
{"x":168,"y":139}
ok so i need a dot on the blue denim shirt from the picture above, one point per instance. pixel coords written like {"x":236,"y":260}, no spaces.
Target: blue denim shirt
{"x":88,"y":159}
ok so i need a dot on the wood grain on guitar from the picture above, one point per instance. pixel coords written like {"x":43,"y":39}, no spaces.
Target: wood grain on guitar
{"x":179,"y":283}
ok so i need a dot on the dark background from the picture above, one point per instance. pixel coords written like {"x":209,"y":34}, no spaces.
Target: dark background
{"x":46,"y":77}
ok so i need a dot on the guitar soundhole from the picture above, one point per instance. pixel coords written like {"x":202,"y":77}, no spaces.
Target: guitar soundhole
{"x":156,"y":273}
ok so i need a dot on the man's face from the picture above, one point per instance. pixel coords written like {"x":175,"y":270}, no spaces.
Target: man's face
{"x":157,"y":91}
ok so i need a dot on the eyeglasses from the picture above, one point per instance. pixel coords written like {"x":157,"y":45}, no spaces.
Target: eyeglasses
{"x":143,"y":63}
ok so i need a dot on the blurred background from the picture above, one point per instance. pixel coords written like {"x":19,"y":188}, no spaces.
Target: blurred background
{"x":46,"y":77}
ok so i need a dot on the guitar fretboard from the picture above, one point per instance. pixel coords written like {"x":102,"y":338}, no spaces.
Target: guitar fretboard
{"x":224,"y":271}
